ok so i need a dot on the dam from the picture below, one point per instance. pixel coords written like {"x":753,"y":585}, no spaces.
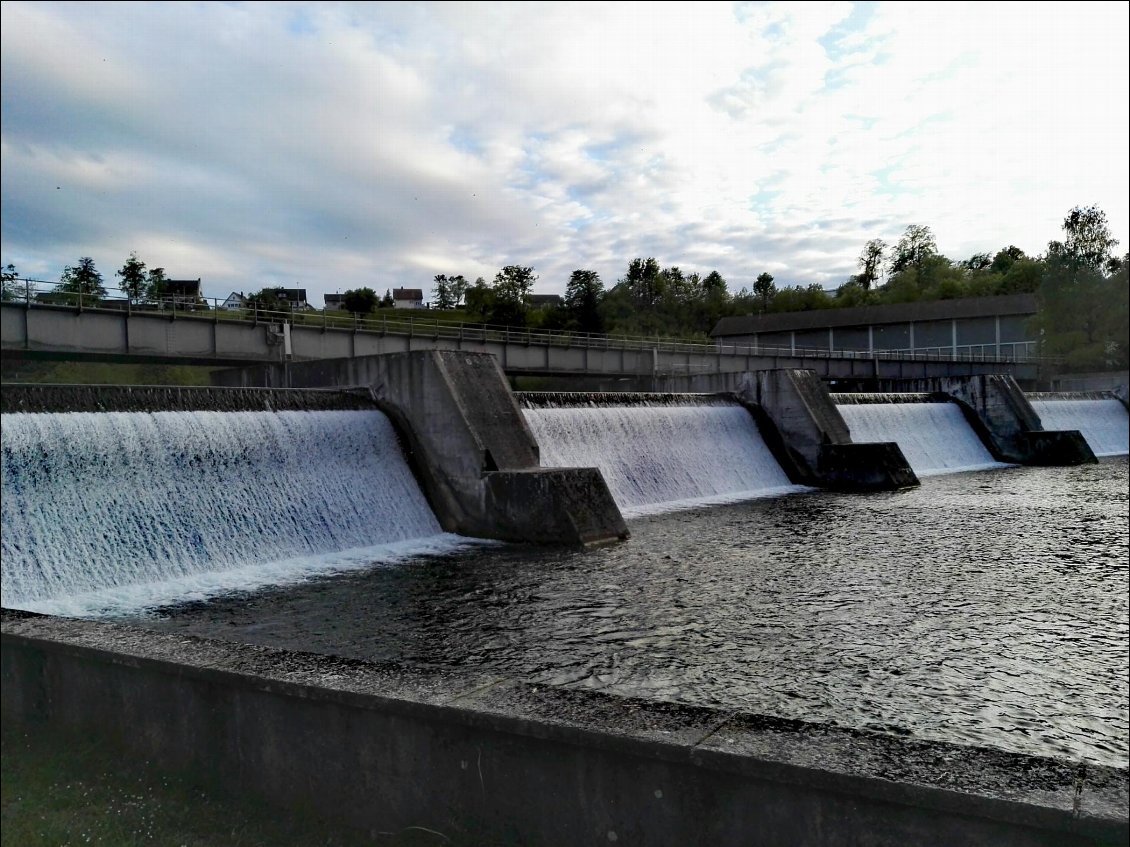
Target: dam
{"x":976,"y":619}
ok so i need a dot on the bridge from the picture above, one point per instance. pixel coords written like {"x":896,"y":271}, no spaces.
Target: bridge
{"x":118,"y":331}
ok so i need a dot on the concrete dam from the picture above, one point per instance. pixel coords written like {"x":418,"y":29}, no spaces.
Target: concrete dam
{"x":580,"y":618}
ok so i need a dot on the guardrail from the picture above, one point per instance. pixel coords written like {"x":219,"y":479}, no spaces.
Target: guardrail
{"x":41,"y":294}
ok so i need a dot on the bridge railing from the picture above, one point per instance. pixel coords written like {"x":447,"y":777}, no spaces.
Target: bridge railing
{"x":42,"y":294}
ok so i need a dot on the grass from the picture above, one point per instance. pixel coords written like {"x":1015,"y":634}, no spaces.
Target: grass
{"x":59,"y":791}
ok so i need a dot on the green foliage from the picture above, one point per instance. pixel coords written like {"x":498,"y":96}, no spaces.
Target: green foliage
{"x":10,"y":289}
{"x":1084,"y":314}
{"x":871,"y":263}
{"x":764,"y":290}
{"x":360,"y":301}
{"x":83,"y":280}
{"x":266,"y":300}
{"x":582,"y":301}
{"x":915,"y":246}
{"x":480,"y":301}
{"x":512,"y":287}
{"x":133,"y":278}
{"x":155,"y":284}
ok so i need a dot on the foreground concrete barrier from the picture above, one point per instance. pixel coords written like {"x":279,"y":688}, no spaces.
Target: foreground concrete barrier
{"x":384,"y":748}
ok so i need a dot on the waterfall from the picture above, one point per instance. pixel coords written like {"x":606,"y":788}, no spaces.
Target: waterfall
{"x":935,"y":438}
{"x":662,"y":457}
{"x":113,"y":510}
{"x":1103,"y":422}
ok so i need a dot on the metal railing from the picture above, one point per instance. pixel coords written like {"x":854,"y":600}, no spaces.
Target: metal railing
{"x":39,"y":293}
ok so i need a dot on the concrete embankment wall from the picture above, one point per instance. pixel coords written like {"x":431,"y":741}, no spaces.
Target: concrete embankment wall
{"x":479,"y":760}
{"x":478,"y":458}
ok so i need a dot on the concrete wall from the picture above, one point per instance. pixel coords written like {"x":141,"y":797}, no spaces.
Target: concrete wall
{"x":384,"y":748}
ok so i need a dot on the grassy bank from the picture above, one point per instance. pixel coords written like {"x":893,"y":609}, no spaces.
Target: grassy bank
{"x":60,"y":791}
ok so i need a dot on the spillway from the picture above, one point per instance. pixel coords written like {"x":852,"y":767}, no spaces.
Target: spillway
{"x":934,"y":437}
{"x":112,"y":510}
{"x":658,"y":453}
{"x":1103,"y":421}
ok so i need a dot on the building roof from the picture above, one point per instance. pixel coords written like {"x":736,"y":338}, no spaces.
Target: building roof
{"x":298,"y":295}
{"x":182,"y":286}
{"x":546,"y":300}
{"x":407,"y":294}
{"x":891,"y":313}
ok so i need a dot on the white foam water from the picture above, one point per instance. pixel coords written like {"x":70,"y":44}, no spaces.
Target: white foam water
{"x":935,"y":438}
{"x":663,"y":457}
{"x":1104,"y":424}
{"x":106,"y":512}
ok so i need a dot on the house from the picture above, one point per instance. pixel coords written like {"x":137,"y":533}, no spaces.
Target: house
{"x":407,"y":298}
{"x":291,"y":298}
{"x":335,"y":302}
{"x":180,"y":294}
{"x":546,"y":301}
{"x":235,"y":302}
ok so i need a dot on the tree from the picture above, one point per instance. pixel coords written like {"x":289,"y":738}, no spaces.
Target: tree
{"x":132,"y":275}
{"x":1083,"y":305}
{"x":155,"y":284}
{"x":1006,"y":258}
{"x":1087,"y":239}
{"x":870,"y":262}
{"x":441,"y":293}
{"x":387,"y":301}
{"x":480,"y":300}
{"x":915,"y":246}
{"x":644,"y":282}
{"x":457,"y":285}
{"x":583,"y":294}
{"x":10,"y":289}
{"x":265,"y":300}
{"x":83,"y":279}
{"x":360,"y":301}
{"x":512,"y":287}
{"x":764,"y":290}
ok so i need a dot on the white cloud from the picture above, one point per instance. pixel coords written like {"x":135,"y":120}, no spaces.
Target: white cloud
{"x":338,"y":145}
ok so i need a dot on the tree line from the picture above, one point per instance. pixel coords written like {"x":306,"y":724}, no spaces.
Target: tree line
{"x":1080,"y":284}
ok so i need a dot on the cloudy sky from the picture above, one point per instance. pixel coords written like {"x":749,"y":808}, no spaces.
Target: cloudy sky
{"x":338,"y":145}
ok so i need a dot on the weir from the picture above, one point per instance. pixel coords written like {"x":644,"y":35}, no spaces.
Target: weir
{"x":108,"y":490}
{"x":658,"y":452}
{"x":1101,"y":418}
{"x":110,"y":508}
{"x":934,"y":436}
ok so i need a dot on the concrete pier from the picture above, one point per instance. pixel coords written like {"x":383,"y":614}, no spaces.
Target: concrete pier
{"x":817,"y":439}
{"x":476,"y":457}
{"x":1001,"y":415}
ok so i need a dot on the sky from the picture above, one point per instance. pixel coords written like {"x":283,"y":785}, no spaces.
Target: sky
{"x":332,"y":146}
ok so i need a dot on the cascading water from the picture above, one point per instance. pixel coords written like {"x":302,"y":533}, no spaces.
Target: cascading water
{"x":1103,"y":422}
{"x":115,"y":510}
{"x":935,"y":438}
{"x":665,"y":456}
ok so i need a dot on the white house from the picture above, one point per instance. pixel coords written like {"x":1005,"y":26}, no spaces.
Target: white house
{"x":235,"y":302}
{"x":407,"y":298}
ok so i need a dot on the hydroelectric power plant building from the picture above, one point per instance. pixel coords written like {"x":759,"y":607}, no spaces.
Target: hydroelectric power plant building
{"x":391,"y":590}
